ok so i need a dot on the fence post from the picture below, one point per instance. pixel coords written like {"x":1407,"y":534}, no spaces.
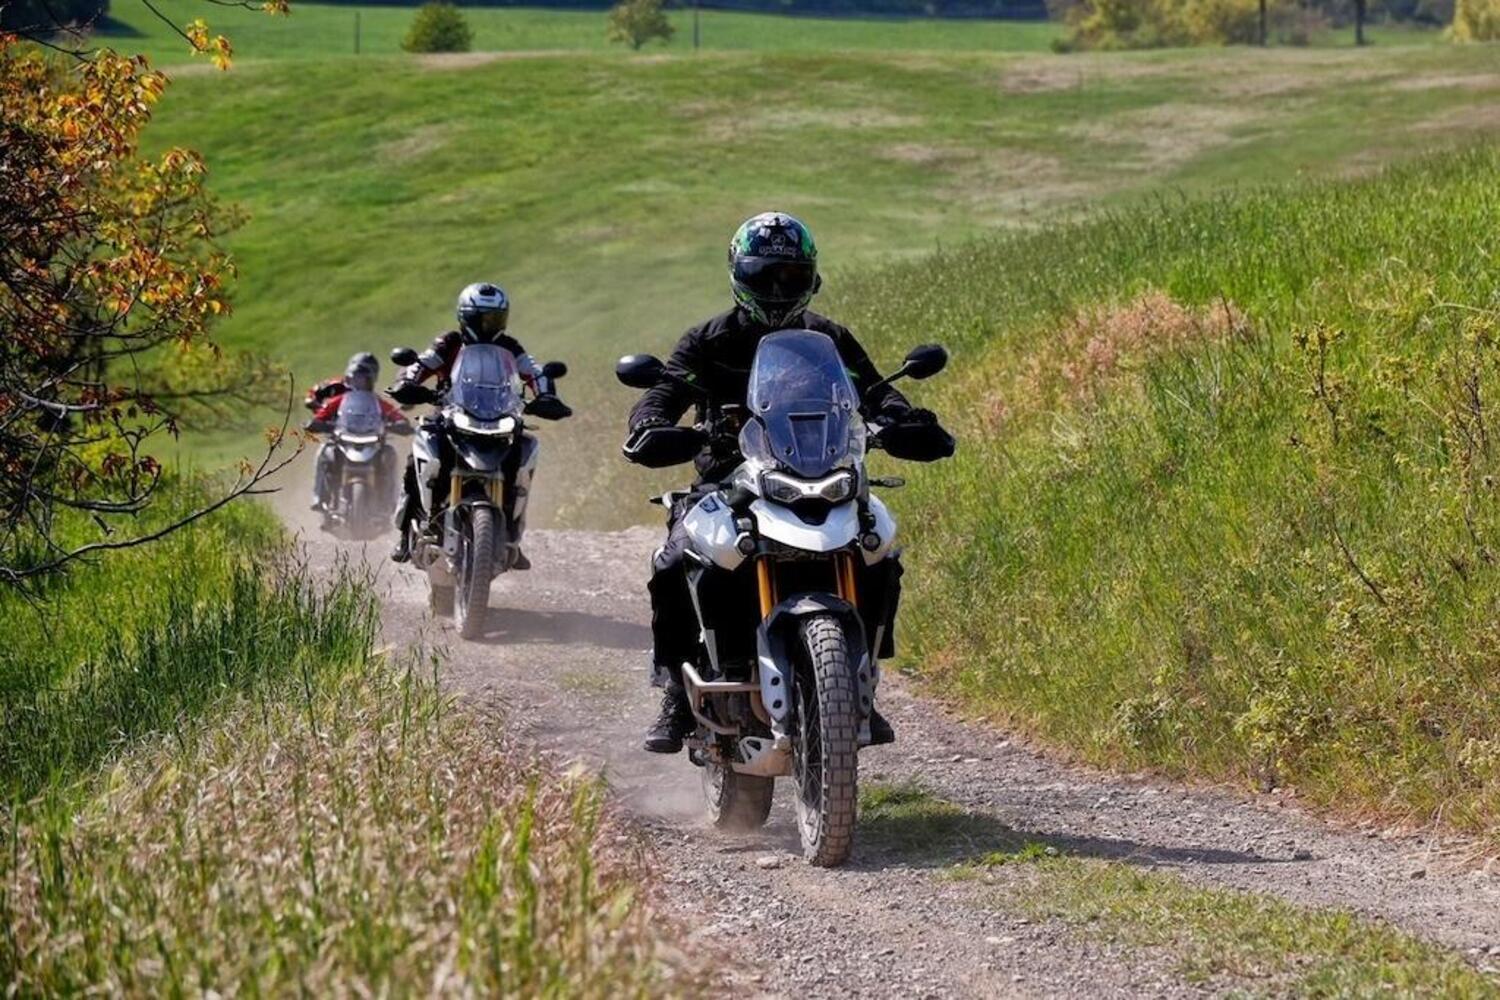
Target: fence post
{"x":356,"y":32}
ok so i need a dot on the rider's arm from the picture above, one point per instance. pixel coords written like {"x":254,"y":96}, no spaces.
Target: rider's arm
{"x":436,"y":360}
{"x":885,"y":401}
{"x":329,"y":411}
{"x":391,"y":413}
{"x":668,"y":400}
{"x":531,"y":372}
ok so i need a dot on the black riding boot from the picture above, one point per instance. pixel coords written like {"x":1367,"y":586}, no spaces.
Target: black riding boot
{"x":674,"y":723}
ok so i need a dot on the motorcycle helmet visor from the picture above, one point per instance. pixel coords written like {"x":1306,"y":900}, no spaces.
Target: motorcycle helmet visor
{"x":774,"y":279}
{"x":486,"y":324}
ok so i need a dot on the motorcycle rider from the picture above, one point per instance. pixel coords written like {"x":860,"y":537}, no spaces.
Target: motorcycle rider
{"x":324,"y":399}
{"x":483,"y":318}
{"x":773,"y":273}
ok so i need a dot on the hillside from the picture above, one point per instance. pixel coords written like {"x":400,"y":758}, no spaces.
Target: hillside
{"x":600,"y":187}
{"x":1225,"y":503}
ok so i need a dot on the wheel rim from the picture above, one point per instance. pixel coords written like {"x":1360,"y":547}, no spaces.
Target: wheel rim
{"x":807,"y":763}
{"x":713,"y":785}
{"x":465,"y":573}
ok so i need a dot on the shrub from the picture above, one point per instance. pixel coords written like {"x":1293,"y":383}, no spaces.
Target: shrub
{"x":438,"y":27}
{"x":1152,"y":24}
{"x":638,"y":21}
{"x":1476,"y":21}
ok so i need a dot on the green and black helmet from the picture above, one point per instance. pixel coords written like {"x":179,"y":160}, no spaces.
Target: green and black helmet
{"x":773,"y":267}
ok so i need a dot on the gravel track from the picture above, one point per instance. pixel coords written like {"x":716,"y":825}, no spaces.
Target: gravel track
{"x":566,"y":652}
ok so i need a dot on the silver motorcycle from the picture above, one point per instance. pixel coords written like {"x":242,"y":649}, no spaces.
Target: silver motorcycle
{"x":360,"y":466}
{"x":786,"y":672}
{"x":481,"y":422}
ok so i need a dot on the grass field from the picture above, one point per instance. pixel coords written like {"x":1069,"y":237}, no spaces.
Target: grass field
{"x":1225,"y":500}
{"x":315,"y":30}
{"x":212,"y":784}
{"x":600,"y":188}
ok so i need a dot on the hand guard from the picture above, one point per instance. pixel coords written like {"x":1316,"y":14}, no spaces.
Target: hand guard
{"x":412,"y":394}
{"x":549,"y":407}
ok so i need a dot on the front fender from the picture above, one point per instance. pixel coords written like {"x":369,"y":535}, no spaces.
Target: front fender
{"x":480,"y":454}
{"x":838,"y":530}
{"x":775,"y":645}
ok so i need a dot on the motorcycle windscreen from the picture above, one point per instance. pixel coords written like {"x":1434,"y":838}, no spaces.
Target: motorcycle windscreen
{"x":359,"y":414}
{"x":486,"y":384}
{"x":804,"y":410}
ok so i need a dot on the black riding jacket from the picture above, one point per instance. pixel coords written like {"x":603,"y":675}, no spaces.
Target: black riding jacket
{"x":717,"y":355}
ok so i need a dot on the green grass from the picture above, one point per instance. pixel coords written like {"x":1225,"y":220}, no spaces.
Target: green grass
{"x":1244,"y":942}
{"x":366,"y":836}
{"x":320,"y":30}
{"x":132,"y":645}
{"x":1225,"y":496}
{"x":1231,"y":941}
{"x":213,"y":785}
{"x":600,"y":188}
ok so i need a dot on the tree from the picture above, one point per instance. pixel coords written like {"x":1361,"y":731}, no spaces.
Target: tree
{"x":638,"y":22}
{"x":1476,"y":21}
{"x":111,"y":275}
{"x":438,"y":27}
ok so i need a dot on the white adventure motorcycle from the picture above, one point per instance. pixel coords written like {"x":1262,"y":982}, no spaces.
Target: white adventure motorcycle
{"x":785,"y":677}
{"x":481,"y":420}
{"x":361,"y":468}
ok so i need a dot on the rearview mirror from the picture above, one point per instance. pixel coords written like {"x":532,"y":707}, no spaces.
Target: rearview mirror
{"x":925,"y":361}
{"x":640,"y":371}
{"x":554,"y":370}
{"x":403,"y":356}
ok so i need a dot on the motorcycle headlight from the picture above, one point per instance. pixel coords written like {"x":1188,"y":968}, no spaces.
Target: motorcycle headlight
{"x":359,"y":440}
{"x":778,"y":487}
{"x":470,"y":425}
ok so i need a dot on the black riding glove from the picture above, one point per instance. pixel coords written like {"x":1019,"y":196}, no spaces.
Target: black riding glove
{"x":647,"y":422}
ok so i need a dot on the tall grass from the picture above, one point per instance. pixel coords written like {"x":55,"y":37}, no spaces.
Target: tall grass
{"x":369,"y":838}
{"x":214,"y":786}
{"x":1262,"y":548}
{"x":140,"y":642}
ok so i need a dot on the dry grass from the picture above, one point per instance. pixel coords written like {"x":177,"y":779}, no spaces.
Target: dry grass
{"x":1099,"y":342}
{"x":374,"y":839}
{"x":1090,"y":349}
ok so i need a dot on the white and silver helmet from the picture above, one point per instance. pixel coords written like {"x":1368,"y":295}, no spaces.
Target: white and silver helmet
{"x":483,"y":312}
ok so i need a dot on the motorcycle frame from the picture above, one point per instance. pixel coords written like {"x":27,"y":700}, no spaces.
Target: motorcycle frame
{"x":766,"y":692}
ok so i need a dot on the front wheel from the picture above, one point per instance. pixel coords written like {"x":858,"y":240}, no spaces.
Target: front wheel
{"x":357,"y":513}
{"x":475,"y":568}
{"x":826,"y":750}
{"x":736,"y":802}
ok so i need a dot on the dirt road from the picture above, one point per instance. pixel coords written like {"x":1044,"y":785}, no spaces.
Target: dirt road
{"x":567,"y":652}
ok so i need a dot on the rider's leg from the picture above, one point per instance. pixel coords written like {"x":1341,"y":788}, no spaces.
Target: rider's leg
{"x":672,"y":639}
{"x":517,"y":486}
{"x":880,"y":587}
{"x":407,"y":510}
{"x":322,"y":469}
{"x":387,"y":474}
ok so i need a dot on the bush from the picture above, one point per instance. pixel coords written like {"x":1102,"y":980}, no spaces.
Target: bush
{"x":438,"y":27}
{"x":1476,"y":21}
{"x":638,"y":21}
{"x":1153,"y":24}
